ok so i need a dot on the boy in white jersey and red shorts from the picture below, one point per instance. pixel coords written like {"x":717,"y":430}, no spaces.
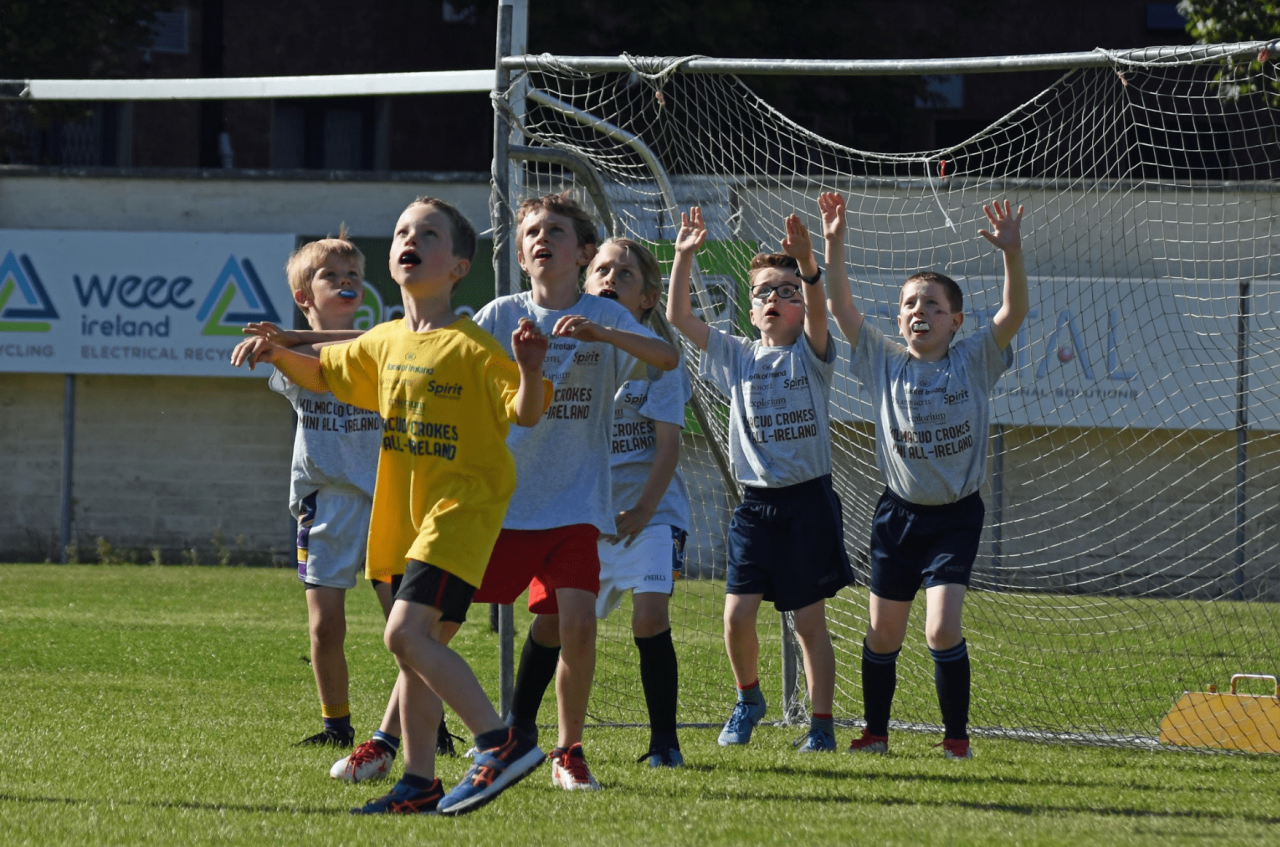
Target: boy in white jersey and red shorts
{"x":563,"y":504}
{"x":786,"y":539}
{"x":932,"y":411}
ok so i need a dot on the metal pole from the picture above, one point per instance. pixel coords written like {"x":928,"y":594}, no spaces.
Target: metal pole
{"x":791,"y":709}
{"x":1242,"y":435}
{"x":513,"y":21}
{"x":997,"y":505}
{"x":68,"y":452}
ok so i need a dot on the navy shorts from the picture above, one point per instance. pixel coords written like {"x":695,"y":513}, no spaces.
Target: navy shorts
{"x":428,"y":585}
{"x":913,"y":545}
{"x":788,"y":544}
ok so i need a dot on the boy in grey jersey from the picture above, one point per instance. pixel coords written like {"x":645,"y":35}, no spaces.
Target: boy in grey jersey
{"x":562,"y":503}
{"x":335,"y":463}
{"x":786,"y":539}
{"x":932,"y":409}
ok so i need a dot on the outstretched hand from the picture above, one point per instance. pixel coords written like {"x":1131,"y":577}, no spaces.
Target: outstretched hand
{"x":273,"y":333}
{"x":1006,"y":229}
{"x":576,"y":326}
{"x":252,"y":351}
{"x":796,"y":243}
{"x":529,"y":345}
{"x":693,"y":231}
{"x":831,"y":205}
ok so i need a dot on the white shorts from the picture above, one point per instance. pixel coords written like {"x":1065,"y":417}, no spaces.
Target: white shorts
{"x":646,"y":567}
{"x":333,"y":534}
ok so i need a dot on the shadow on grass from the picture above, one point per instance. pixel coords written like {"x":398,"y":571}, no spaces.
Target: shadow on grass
{"x":971,"y":780}
{"x":173,"y":804}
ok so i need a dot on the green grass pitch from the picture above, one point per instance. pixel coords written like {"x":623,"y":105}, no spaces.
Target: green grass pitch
{"x":158,"y":705}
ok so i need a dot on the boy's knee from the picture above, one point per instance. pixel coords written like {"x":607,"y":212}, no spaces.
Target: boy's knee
{"x":395,"y":637}
{"x":941,"y":637}
{"x":327,"y":630}
{"x":649,"y":622}
{"x":577,"y":629}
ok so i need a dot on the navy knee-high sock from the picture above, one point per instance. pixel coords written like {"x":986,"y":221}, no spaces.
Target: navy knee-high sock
{"x":951,"y":678}
{"x":536,"y":670}
{"x":879,"y":680}
{"x":659,"y":676}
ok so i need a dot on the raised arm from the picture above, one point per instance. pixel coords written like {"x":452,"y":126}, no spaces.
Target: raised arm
{"x":839,"y":297}
{"x":692,"y":234}
{"x":666,"y":456}
{"x":646,"y":348}
{"x":798,"y":246}
{"x":1006,"y":234}
{"x":529,"y":346}
{"x":301,"y":365}
{"x":294,"y":337}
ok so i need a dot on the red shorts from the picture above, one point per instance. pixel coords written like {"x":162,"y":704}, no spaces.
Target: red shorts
{"x":541,"y":560}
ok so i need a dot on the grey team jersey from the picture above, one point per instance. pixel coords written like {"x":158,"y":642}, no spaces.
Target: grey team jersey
{"x":779,"y":432}
{"x":648,"y":396}
{"x":932,"y":418}
{"x":562,"y":464}
{"x":335,"y":443}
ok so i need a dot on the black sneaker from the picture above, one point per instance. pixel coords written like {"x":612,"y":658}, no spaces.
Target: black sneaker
{"x":330,"y":738}
{"x":445,"y":739}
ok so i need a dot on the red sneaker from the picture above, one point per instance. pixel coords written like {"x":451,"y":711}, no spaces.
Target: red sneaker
{"x":956,"y":748}
{"x":869,"y":743}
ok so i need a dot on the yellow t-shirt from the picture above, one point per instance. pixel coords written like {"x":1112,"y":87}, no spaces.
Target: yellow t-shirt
{"x":445,"y":473}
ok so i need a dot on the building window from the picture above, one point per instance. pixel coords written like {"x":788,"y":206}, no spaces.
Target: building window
{"x":324,"y":134}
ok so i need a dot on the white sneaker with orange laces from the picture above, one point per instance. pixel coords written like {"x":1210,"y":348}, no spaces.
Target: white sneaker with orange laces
{"x":569,"y":770}
{"x":367,"y":762}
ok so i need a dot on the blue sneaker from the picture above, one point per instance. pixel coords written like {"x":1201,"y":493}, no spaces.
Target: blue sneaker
{"x":742,"y":720}
{"x":404,"y":800}
{"x":818,"y":741}
{"x":493,"y":771}
{"x":666,"y":757}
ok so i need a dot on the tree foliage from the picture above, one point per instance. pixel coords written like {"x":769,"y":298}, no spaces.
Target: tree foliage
{"x":1235,"y":21}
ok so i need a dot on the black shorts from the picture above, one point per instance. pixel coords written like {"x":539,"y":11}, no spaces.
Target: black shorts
{"x":930,"y":545}
{"x":788,"y":545}
{"x":428,"y":585}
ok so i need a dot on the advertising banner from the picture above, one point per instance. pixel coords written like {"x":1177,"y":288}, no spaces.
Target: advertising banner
{"x":146,"y":303}
{"x":1112,"y":353}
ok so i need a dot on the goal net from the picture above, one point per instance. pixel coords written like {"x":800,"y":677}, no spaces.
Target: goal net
{"x":1133,"y":493}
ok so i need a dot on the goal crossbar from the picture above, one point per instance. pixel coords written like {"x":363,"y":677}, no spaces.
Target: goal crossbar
{"x":1098,"y":57}
{"x":485,"y":79}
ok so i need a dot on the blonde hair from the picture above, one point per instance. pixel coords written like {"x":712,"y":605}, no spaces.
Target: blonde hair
{"x":304,"y":261}
{"x":650,"y":270}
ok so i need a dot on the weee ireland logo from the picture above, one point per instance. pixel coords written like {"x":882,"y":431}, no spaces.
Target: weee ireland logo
{"x":236,"y":278}
{"x":33,"y":308}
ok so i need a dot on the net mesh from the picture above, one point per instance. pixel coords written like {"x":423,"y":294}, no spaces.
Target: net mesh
{"x":1130,"y":546}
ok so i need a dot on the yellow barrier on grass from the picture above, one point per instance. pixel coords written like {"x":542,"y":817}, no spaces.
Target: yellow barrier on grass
{"x":1249,"y":722}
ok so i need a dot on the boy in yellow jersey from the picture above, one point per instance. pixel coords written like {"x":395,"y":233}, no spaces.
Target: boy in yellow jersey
{"x":447,"y":392}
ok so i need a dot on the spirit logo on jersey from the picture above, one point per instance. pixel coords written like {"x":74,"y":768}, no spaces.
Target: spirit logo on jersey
{"x":33,"y":308}
{"x":238,"y":281}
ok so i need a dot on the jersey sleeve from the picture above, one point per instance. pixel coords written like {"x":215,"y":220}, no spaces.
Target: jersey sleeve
{"x":668,"y":394}
{"x":351,"y":370}
{"x":502,"y":376}
{"x":718,"y":363}
{"x":284,"y":386}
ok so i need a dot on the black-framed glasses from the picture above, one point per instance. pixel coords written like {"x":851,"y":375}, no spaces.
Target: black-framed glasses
{"x":785,"y":292}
